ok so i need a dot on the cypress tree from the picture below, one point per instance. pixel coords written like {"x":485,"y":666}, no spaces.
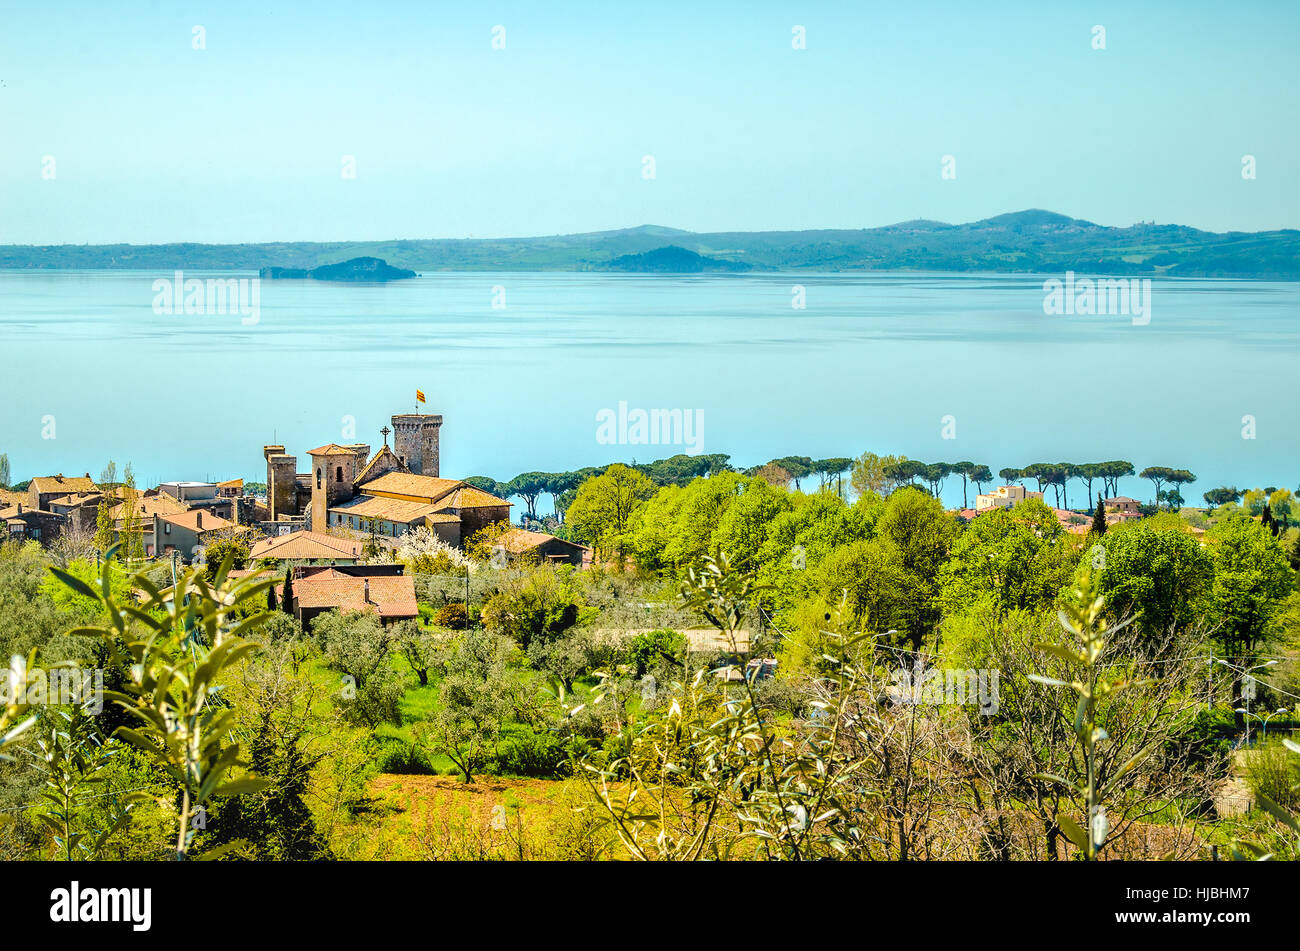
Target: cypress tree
{"x":1295,"y":553}
{"x":286,"y":598}
{"x":1266,"y":519}
{"x":1099,"y":518}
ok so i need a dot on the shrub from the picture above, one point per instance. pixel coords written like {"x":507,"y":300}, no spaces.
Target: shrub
{"x":452,"y":616}
{"x":402,"y":758}
{"x":1272,"y":771}
{"x":649,"y":649}
{"x":525,"y":753}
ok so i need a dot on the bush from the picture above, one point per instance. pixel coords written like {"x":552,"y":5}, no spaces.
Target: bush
{"x":402,"y":758}
{"x":648,"y":650}
{"x":525,"y":753}
{"x":452,"y":616}
{"x":1273,"y":771}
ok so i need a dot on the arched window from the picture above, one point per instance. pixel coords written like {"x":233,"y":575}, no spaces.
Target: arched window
{"x":318,"y":477}
{"x":338,"y":474}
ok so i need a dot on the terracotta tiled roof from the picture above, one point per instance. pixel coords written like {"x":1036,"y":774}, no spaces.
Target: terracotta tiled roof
{"x":305,"y":545}
{"x":63,"y":484}
{"x":406,"y":483}
{"x":390,"y":510}
{"x":518,"y":540}
{"x":231,"y":483}
{"x":79,"y":498}
{"x":331,"y":449}
{"x":392,"y":596}
{"x":471,"y":498}
{"x":12,"y":498}
{"x":149,"y":506}
{"x":190,"y":519}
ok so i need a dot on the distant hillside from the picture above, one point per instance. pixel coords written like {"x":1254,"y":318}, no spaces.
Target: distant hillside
{"x":357,"y":269}
{"x":673,"y":260}
{"x":1026,"y":241}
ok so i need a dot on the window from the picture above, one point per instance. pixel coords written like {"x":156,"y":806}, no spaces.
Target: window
{"x":338,"y":474}
{"x":318,"y":477}
{"x":167,"y":528}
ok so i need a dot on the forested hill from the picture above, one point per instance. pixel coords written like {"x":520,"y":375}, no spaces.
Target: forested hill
{"x":1027,"y":241}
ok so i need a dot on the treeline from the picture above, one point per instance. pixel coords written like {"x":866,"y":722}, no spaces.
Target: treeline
{"x":870,"y":472}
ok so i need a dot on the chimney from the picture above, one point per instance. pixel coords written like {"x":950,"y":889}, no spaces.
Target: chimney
{"x":366,"y":595}
{"x":198,"y":520}
{"x":20,"y":508}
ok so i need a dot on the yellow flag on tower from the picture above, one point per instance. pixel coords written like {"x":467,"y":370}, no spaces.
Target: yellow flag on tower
{"x":419,"y":395}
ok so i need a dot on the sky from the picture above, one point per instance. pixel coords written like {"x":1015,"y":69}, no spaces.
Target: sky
{"x":245,"y":139}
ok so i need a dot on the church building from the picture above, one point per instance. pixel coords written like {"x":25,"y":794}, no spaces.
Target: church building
{"x":389,"y":494}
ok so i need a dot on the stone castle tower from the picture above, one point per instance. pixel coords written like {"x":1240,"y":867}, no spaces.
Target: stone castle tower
{"x":415,"y":440}
{"x":281,"y":476}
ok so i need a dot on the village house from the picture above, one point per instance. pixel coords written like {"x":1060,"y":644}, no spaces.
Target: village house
{"x":1004,"y":497}
{"x":43,"y":489}
{"x":231,"y":489}
{"x":24,"y":524}
{"x":542,"y":547}
{"x":312,"y":548}
{"x":200,"y":495}
{"x":184,"y":532}
{"x":79,"y":510}
{"x":389,"y":596}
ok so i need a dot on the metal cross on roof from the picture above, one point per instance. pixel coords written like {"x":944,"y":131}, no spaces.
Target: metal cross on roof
{"x":385,"y":432}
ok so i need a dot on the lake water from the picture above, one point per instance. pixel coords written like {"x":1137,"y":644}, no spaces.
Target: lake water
{"x":872,"y":362}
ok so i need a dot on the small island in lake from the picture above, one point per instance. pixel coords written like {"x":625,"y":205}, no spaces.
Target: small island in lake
{"x":357,"y":269}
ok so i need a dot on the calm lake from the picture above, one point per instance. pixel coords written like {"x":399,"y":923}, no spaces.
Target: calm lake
{"x":520,"y":365}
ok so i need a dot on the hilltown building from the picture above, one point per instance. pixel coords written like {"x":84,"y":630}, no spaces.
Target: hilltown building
{"x":396,"y":490}
{"x":1004,"y":497}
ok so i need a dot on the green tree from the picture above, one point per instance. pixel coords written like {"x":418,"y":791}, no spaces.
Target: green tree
{"x":1252,"y":576}
{"x":1007,"y":559}
{"x":602,"y":509}
{"x":479,"y":692}
{"x":286,"y":595}
{"x":799,"y":467}
{"x":528,"y":486}
{"x":1157,"y":576}
{"x":1099,"y":518}
{"x":869,"y":473}
{"x":934,"y":474}
{"x":218,"y":551}
{"x":1222,"y":496}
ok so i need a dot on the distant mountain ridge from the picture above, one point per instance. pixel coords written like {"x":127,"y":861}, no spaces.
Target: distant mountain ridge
{"x":1026,"y":241}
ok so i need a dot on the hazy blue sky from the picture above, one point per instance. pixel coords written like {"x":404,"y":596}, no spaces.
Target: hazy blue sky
{"x":243,"y":141}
